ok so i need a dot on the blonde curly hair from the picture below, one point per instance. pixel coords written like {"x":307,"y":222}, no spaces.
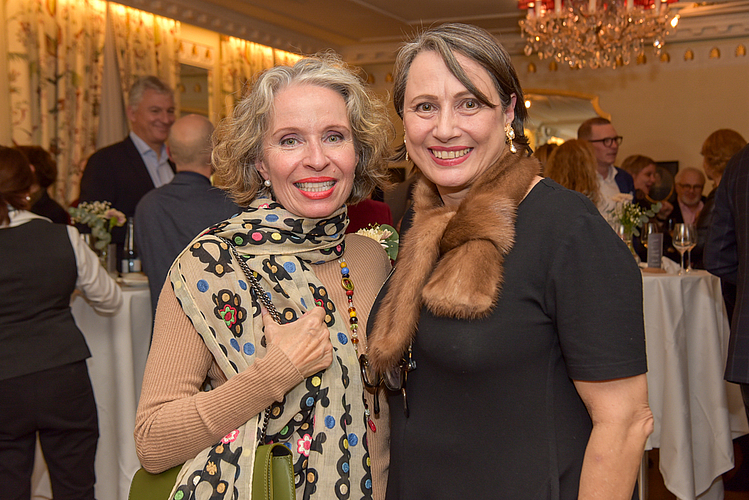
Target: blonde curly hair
{"x":239,"y":139}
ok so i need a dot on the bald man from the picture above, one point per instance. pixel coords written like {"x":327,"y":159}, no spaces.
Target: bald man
{"x":168,"y":218}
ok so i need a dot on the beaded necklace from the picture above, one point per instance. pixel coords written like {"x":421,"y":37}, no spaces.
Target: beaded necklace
{"x":348,"y":287}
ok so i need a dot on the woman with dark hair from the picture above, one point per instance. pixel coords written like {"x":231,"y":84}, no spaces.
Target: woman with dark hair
{"x":44,"y":384}
{"x":307,"y":140}
{"x":45,"y":172}
{"x":511,"y":331}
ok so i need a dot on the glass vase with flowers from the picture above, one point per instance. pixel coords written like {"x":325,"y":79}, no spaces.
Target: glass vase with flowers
{"x":627,"y":218}
{"x":101,"y":218}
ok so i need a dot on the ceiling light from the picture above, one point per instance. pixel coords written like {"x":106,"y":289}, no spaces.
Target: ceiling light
{"x":595,"y":33}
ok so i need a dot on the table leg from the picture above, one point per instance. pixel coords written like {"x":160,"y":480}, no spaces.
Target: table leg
{"x":642,"y":478}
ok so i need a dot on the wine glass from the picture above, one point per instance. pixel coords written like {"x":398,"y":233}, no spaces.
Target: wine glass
{"x":683,"y":239}
{"x":648,"y":229}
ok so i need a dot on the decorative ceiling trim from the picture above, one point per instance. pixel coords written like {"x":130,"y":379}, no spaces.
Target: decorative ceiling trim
{"x":698,"y":23}
{"x":228,"y":22}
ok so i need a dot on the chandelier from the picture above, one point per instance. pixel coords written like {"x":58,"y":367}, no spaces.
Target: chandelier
{"x":595,"y":33}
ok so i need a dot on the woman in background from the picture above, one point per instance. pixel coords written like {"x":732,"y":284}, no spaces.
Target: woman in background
{"x":44,"y":382}
{"x":542,"y":154}
{"x":573,"y":165}
{"x":45,"y":173}
{"x":642,"y":170}
{"x":718,"y":148}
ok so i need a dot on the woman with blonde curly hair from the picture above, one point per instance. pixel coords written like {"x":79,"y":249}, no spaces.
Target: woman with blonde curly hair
{"x":573,"y":165}
{"x":717,"y":149}
{"x":305,"y":142}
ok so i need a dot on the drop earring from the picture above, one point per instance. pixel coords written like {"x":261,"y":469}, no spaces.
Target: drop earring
{"x":266,"y":183}
{"x":510,"y":133}
{"x":405,"y":147}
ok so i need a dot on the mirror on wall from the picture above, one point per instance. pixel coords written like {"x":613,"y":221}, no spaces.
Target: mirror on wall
{"x":555,"y":115}
{"x":195,"y":91}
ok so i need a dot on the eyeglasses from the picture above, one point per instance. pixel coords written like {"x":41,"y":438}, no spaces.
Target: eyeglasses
{"x":394,"y":379}
{"x":698,"y":187}
{"x":609,"y":141}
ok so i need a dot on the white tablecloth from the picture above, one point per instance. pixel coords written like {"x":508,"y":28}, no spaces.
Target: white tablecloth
{"x":696,"y":412}
{"x":119,"y":348}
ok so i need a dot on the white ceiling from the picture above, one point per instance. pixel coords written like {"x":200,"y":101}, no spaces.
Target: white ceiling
{"x":353,"y":22}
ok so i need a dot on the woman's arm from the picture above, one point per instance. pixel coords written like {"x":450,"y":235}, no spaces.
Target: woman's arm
{"x":175,"y":420}
{"x":100,"y":289}
{"x":622,"y":421}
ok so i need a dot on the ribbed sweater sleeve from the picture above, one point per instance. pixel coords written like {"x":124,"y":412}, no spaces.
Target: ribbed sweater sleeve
{"x":176,"y":420}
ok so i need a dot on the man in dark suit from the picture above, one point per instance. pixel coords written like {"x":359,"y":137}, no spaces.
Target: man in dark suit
{"x":690,"y":182}
{"x":727,"y":256}
{"x":123,"y":172}
{"x":601,"y":134}
{"x":169,"y":217}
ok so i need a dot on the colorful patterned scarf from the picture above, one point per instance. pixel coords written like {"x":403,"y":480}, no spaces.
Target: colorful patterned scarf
{"x":322,"y":419}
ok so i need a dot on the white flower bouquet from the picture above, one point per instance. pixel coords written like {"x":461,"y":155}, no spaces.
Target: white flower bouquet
{"x":630,"y":215}
{"x":101,"y":218}
{"x":385,"y":235}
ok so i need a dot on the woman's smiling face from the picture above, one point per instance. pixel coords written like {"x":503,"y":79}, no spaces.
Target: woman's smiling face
{"x":450,"y":135}
{"x":309,"y":153}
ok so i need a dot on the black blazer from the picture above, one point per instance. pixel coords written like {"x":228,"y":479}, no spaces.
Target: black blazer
{"x":116,"y":174}
{"x":727,"y":256}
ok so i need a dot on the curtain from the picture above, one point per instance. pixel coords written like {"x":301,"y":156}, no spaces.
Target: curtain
{"x":145,"y":44}
{"x":240,"y":63}
{"x":54,"y":62}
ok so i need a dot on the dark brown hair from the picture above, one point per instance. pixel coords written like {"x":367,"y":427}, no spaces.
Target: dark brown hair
{"x":16,"y":179}
{"x":45,"y":167}
{"x":476,"y":44}
{"x":585,"y":131}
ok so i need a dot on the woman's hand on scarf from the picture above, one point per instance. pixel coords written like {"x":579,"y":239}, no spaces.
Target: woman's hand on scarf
{"x":306,"y":341}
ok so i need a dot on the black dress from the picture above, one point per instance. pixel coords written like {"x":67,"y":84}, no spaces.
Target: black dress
{"x":493,"y":409}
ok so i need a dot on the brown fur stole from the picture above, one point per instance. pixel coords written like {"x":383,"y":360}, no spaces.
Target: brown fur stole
{"x":437,"y":263}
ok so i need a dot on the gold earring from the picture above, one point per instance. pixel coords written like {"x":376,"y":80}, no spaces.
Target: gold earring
{"x":405,"y":147}
{"x":510,"y":133}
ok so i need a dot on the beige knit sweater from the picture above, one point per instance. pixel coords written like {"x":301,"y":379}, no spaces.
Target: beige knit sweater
{"x":176,"y":420}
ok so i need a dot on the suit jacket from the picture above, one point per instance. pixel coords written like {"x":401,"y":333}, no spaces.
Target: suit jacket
{"x":727,"y":256}
{"x":625,"y":181}
{"x":168,"y":218}
{"x":116,"y":174}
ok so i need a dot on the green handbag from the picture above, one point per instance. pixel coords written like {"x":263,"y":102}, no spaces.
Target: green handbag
{"x":273,"y":477}
{"x":273,"y":472}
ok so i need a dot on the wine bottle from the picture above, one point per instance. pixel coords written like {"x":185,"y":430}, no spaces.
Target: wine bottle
{"x":130,"y":259}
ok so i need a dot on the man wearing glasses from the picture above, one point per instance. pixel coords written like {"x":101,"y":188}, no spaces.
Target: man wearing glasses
{"x":689,"y":185}
{"x":612,"y":180}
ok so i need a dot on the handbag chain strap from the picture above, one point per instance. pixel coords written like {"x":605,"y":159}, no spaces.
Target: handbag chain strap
{"x":265,"y":300}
